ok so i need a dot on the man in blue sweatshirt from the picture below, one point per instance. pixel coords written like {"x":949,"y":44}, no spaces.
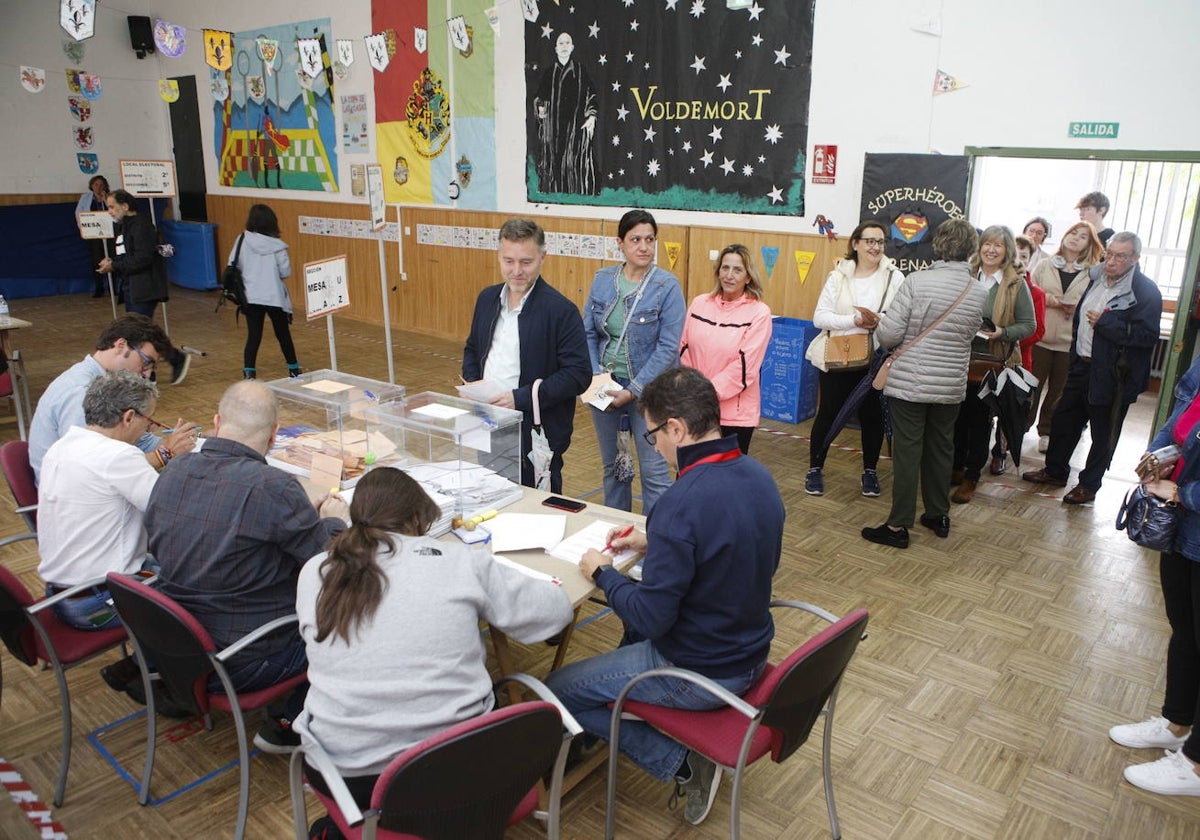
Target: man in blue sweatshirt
{"x":712,"y":545}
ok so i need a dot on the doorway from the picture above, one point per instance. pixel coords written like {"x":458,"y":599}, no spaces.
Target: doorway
{"x":189,"y":152}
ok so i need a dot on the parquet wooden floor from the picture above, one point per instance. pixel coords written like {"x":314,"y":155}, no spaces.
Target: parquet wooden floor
{"x":978,"y":707}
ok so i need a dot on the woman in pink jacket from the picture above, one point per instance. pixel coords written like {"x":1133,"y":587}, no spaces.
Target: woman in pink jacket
{"x":725,"y":337}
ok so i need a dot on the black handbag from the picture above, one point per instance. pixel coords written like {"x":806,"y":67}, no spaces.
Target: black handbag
{"x":1148,"y":520}
{"x":233,"y":284}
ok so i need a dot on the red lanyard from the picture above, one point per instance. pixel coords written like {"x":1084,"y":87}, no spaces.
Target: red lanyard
{"x":712,"y":459}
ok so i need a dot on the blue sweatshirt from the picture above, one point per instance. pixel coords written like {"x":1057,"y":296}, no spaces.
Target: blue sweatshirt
{"x":713,"y":545}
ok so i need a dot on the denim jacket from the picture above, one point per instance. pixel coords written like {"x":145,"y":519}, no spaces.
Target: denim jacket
{"x":652,"y":340}
{"x":1187,"y":537}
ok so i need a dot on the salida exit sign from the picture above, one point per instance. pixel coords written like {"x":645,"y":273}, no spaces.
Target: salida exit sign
{"x":1099,"y":130}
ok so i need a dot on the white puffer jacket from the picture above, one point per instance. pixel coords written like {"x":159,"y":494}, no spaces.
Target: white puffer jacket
{"x":935,"y":369}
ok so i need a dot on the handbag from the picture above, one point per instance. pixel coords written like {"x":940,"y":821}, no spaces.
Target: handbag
{"x":1148,"y":520}
{"x":848,"y":352}
{"x":233,"y":284}
{"x":1157,"y":464}
{"x":881,"y":376}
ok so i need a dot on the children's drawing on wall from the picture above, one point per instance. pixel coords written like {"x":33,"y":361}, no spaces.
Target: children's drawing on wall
{"x":565,"y":106}
{"x":695,"y":106}
{"x":271,"y":130}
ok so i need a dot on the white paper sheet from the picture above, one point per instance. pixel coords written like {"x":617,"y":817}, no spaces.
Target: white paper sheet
{"x":525,"y":570}
{"x":517,"y":531}
{"x":594,"y":536}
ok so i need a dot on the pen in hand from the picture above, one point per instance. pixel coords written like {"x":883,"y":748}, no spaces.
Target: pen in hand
{"x":620,"y":535}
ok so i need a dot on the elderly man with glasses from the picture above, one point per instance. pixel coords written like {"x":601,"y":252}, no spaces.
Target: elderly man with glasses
{"x":133,"y":343}
{"x":1116,"y":329}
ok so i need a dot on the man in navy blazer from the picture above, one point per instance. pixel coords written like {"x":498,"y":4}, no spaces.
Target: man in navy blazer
{"x":525,"y":332}
{"x":1116,"y":329}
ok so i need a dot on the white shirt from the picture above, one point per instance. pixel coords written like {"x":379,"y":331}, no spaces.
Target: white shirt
{"x":91,"y":499}
{"x":989,"y":280}
{"x":503,"y":365}
{"x":1099,"y":296}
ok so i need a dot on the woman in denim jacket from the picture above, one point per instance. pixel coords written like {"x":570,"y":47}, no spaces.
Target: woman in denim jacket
{"x":634,"y":341}
{"x":1178,"y":772}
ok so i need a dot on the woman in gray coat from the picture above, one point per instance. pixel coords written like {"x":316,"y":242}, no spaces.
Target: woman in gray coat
{"x":928,"y":380}
{"x":263,"y":258}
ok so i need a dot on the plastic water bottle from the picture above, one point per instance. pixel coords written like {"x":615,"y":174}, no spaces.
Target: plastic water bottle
{"x":3,"y":308}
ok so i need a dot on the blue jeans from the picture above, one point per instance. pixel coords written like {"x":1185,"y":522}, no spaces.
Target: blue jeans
{"x":254,"y":674}
{"x":652,"y":468}
{"x":586,"y":688}
{"x":95,"y":612}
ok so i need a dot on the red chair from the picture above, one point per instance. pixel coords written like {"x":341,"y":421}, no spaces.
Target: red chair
{"x":34,"y":634}
{"x":184,"y":655}
{"x":471,"y":781}
{"x":14,"y":461}
{"x":775,"y":716}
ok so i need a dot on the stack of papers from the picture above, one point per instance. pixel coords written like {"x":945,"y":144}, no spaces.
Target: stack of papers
{"x":593,"y":536}
{"x":474,"y":487}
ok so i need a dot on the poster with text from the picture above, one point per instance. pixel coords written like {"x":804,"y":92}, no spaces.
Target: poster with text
{"x":355,"y":140}
{"x":911,"y":195}
{"x":668,"y":103}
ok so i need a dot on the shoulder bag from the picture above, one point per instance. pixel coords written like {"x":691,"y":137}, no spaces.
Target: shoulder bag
{"x":881,"y":377}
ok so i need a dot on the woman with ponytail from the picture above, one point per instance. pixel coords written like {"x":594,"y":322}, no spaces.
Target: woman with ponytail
{"x":390,"y":620}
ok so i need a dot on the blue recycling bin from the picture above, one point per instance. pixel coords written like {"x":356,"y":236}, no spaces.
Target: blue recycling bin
{"x":789,"y":381}
{"x":194,"y":265}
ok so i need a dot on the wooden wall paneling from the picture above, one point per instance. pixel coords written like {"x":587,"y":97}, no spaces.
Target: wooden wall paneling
{"x":18,"y":199}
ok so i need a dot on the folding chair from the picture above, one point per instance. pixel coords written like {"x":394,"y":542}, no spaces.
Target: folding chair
{"x":34,"y":634}
{"x":184,"y":655}
{"x":14,"y":462}
{"x":775,"y":716}
{"x":472,"y":780}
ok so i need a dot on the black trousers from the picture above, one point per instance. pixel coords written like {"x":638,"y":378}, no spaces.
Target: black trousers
{"x":972,"y":434}
{"x":1180,"y":579}
{"x":255,"y":315}
{"x":1074,"y":414}
{"x":835,"y":389}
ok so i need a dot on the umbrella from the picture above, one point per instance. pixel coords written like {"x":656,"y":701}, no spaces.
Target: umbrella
{"x":854,"y":400}
{"x":623,"y":464}
{"x":1009,"y":394}
{"x":1120,"y":374}
{"x":540,"y":452}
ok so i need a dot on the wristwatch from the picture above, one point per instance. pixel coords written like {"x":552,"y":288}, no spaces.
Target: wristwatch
{"x":596,"y":573}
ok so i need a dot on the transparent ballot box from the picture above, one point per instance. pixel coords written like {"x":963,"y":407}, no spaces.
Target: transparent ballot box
{"x":322,"y":422}
{"x":466,"y":451}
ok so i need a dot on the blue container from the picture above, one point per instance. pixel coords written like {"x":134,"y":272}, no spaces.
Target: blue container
{"x":789,"y":381}
{"x":194,"y":265}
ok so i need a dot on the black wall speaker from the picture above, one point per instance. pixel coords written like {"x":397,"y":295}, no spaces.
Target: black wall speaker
{"x":141,"y":35}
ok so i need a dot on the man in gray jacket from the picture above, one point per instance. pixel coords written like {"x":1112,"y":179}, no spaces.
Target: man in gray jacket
{"x":928,"y":380}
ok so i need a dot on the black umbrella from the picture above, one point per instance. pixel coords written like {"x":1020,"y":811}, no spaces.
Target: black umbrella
{"x":1120,"y":375}
{"x":1009,"y":395}
{"x":854,"y":400}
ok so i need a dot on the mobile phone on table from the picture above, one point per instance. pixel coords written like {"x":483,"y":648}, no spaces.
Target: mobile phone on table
{"x":564,"y":504}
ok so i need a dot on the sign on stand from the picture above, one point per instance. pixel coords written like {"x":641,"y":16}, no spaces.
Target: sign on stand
{"x":375,"y":199}
{"x":148,"y":177}
{"x":326,"y":290}
{"x":375,"y":196}
{"x":97,"y":224}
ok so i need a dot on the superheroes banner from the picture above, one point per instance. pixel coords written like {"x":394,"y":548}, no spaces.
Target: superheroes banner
{"x":912,"y":195}
{"x":668,"y":103}
{"x":435,"y":126}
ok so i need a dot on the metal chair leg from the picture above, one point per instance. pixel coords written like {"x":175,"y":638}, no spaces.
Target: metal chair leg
{"x":827,"y":766}
{"x":244,"y":770}
{"x":60,"y":787}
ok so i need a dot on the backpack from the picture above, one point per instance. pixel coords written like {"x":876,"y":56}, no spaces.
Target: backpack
{"x":233,"y":284}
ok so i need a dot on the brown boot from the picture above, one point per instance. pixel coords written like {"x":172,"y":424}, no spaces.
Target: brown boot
{"x":964,"y":493}
{"x":956,"y":476}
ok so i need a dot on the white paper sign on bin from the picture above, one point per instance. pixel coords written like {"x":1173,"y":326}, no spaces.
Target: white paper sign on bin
{"x":326,"y":288}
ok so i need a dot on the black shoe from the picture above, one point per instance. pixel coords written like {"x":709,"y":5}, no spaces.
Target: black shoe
{"x":164,"y":703}
{"x":940,"y":525}
{"x":883,"y":535}
{"x":276,"y":736}
{"x":325,"y":829}
{"x":121,"y":673}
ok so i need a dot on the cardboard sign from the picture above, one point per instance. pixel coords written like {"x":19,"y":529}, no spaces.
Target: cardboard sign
{"x":375,"y":196}
{"x":326,"y":289}
{"x":148,"y":177}
{"x":96,"y":225}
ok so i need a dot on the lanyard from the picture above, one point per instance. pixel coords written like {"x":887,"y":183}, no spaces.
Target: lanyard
{"x":712,"y":459}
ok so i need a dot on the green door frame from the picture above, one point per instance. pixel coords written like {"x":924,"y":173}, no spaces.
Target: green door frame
{"x":1184,"y":330}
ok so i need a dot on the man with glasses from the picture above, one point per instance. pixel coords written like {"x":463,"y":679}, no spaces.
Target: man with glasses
{"x":712,"y":545}
{"x":133,"y":343}
{"x":1116,"y":329}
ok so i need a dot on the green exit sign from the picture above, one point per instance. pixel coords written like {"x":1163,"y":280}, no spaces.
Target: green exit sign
{"x":1103,"y":130}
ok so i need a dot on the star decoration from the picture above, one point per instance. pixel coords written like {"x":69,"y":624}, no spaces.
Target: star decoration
{"x":724,"y":83}
{"x":616,"y":140}
{"x":715,"y":134}
{"x":782,"y":55}
{"x":756,"y":40}
{"x":755,"y":11}
{"x":728,"y":166}
{"x":698,"y":65}
{"x":621,"y":171}
{"x":697,"y":9}
{"x":629,"y":58}
{"x":594,"y":30}
{"x":774,"y":135}
{"x":610,"y":176}
{"x":629,"y":155}
{"x":678,"y":129}
{"x":671,"y":5}
{"x":616,"y":87}
{"x":671,"y":152}
{"x":706,"y":158}
{"x":546,"y":30}
{"x":628,"y":3}
{"x":687,"y":145}
{"x":646,"y":66}
{"x":622,"y":113}
{"x":776,"y":195}
{"x":602,"y":60}
{"x":738,"y":55}
{"x":652,"y":168}
{"x":747,"y":170}
{"x":691,"y":170}
{"x":650,"y":134}
{"x":762,"y":158}
{"x":633,"y":26}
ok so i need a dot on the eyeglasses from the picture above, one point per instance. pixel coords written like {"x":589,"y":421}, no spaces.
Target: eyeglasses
{"x":649,"y":436}
{"x":1125,"y":256}
{"x":147,"y":362}
{"x":879,"y":243}
{"x":147,"y":417}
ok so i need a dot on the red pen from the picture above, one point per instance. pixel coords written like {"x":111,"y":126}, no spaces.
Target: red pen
{"x":622,"y":534}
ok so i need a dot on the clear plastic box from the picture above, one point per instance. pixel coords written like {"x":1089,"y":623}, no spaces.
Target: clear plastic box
{"x":323,"y":412}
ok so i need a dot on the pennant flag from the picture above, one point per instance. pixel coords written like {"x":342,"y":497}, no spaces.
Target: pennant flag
{"x":804,"y":261}
{"x":73,"y":50}
{"x":89,"y":85}
{"x":310,"y":55}
{"x":268,"y":51}
{"x":89,"y":163}
{"x":345,"y":51}
{"x":218,"y":49}
{"x":78,"y":18}
{"x":426,"y":126}
{"x":377,"y":52}
{"x":943,"y":82}
{"x":257,"y":88}
{"x":81,"y":109}
{"x":168,"y":89}
{"x":219,"y":87}
{"x":493,"y":18}
{"x":33,"y":79}
{"x":170,"y":39}
{"x":674,"y":249}
{"x":769,"y":255}
{"x":529,"y":8}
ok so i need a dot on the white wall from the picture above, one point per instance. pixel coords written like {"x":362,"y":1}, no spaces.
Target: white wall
{"x":1031,"y":67}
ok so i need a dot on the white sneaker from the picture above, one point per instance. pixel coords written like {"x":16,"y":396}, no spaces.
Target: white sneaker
{"x":1171,"y":775}
{"x":1149,"y":734}
{"x":1043,"y":443}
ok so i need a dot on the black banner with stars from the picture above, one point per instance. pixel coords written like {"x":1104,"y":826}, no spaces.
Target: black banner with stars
{"x":681,"y":104}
